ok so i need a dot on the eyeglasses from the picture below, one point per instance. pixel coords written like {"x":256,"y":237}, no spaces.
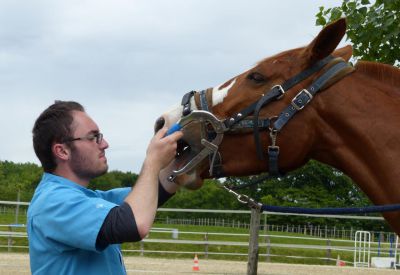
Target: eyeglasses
{"x":98,"y":137}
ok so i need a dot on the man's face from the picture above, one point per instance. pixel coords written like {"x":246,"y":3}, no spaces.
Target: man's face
{"x":88,"y":159}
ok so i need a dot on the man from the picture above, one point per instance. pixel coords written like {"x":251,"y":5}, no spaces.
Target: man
{"x":72,"y":229}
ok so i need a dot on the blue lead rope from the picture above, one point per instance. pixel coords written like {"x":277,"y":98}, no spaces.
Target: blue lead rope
{"x":304,"y":210}
{"x":332,"y":211}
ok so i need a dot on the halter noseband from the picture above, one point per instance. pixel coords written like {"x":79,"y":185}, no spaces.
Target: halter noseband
{"x":214,"y":128}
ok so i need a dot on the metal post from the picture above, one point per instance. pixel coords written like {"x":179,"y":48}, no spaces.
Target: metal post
{"x":17,"y":208}
{"x":10,"y":241}
{"x":328,"y":251}
{"x":267,"y":240}
{"x":206,"y":246}
{"x":141,"y":248}
{"x":253,"y":242}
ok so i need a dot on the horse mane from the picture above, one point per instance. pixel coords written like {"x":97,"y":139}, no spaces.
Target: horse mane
{"x":381,"y":72}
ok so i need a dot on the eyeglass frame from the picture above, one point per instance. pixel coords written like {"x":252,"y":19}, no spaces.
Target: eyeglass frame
{"x":96,"y":136}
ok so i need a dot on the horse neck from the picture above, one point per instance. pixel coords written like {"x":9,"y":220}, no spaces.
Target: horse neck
{"x":358,"y":130}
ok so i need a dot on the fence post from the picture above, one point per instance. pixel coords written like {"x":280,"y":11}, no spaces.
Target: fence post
{"x":328,"y":251}
{"x":17,"y":208}
{"x":267,"y":239}
{"x":206,"y":245}
{"x":253,"y":244}
{"x":10,"y":240}
{"x":141,"y":248}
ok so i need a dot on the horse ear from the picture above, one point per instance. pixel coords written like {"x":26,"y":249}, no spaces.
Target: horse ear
{"x":345,"y":52}
{"x":326,"y":41}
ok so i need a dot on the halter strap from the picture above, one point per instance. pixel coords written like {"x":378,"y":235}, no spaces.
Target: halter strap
{"x":298,"y":103}
{"x":203,"y":100}
{"x":278,"y":92}
{"x":306,"y":95}
{"x":186,"y":103}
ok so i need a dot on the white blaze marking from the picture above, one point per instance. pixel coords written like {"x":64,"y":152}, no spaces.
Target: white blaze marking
{"x":173,"y":115}
{"x":218,"y":95}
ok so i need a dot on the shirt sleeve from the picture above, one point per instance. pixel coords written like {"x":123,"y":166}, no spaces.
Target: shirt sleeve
{"x":118,"y":227}
{"x":116,"y":195}
{"x":71,"y":219}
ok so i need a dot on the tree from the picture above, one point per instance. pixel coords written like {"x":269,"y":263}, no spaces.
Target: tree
{"x":113,"y":179}
{"x":373,"y":28}
{"x":18,"y":177}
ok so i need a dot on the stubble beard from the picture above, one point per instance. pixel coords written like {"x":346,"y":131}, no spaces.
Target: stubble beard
{"x":84,"y":168}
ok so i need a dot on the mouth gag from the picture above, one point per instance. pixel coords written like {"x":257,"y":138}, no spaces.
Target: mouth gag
{"x":211,"y":130}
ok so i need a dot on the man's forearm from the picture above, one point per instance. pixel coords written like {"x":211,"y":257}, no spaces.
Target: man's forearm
{"x":144,"y":197}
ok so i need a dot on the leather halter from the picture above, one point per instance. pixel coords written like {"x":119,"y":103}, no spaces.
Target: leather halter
{"x":275,"y":124}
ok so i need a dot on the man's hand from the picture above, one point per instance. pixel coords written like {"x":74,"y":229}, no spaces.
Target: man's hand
{"x":162,"y":149}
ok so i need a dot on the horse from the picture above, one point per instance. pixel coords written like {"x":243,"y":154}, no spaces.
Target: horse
{"x":352,"y":123}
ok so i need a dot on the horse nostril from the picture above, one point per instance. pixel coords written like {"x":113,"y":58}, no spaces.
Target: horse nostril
{"x":159,"y":124}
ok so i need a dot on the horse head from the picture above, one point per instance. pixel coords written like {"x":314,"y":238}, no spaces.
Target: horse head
{"x":237,"y":151}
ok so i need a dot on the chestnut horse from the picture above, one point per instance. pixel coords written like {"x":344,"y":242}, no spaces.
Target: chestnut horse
{"x":352,"y":124}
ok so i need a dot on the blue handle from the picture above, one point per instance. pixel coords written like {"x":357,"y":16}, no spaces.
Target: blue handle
{"x":173,"y":129}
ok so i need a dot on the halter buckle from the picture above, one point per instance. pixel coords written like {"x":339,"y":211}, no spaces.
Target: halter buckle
{"x":280,"y":89}
{"x":296,"y":101}
{"x":273,"y":148}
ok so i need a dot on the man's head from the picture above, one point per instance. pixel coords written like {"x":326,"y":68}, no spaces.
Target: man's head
{"x":65,"y":136}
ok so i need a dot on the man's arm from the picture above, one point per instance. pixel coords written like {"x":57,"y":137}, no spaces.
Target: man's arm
{"x":120,"y":226}
{"x":143,"y":198}
{"x":133,"y":219}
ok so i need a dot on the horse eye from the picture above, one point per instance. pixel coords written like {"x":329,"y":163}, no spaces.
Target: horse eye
{"x":256,"y":77}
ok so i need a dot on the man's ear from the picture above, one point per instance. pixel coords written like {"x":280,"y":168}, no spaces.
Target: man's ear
{"x":61,"y":151}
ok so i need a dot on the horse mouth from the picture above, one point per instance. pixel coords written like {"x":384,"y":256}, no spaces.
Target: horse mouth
{"x":183,"y":154}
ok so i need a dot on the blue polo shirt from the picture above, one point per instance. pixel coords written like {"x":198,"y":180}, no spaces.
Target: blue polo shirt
{"x":64,"y":219}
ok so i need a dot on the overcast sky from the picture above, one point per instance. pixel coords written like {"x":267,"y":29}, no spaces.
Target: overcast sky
{"x":127,"y":61}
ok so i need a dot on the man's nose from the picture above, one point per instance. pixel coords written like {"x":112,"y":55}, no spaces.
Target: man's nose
{"x":104,"y":144}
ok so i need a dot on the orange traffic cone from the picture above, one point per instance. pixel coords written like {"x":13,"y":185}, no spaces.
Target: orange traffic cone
{"x":196,"y":263}
{"x":340,"y":262}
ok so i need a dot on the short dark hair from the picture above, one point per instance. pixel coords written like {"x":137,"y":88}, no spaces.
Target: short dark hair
{"x":53,"y":125}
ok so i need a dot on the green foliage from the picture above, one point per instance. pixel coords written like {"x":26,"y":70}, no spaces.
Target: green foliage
{"x":16,"y":177}
{"x":373,"y":28}
{"x":24,"y":177}
{"x":113,"y":179}
{"x":210,"y":196}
